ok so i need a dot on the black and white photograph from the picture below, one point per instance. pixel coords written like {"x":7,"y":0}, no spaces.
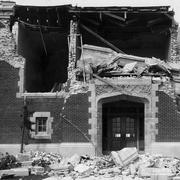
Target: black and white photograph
{"x":90,"y":90}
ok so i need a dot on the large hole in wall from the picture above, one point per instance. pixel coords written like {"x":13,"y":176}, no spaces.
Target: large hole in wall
{"x":42,"y":40}
{"x":140,"y":34}
{"x":46,"y":57}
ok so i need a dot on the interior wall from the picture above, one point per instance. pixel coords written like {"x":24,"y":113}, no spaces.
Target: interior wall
{"x":140,"y":34}
{"x":46,"y":64}
{"x":143,"y":44}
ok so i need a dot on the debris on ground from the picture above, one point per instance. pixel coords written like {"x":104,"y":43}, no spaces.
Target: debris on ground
{"x":8,"y":51}
{"x":126,"y":164}
{"x":124,"y":156}
{"x":44,"y":159}
{"x":8,"y":161}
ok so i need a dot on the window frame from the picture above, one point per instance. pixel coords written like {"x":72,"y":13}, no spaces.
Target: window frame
{"x":41,"y":135}
{"x":41,"y":122}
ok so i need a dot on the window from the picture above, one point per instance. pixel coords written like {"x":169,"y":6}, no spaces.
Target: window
{"x":42,"y":125}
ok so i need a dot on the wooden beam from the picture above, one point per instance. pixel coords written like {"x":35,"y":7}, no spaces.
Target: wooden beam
{"x":154,"y":21}
{"x":115,"y":16}
{"x":91,"y":21}
{"x":132,"y":21}
{"x":101,"y":38}
{"x":116,"y":23}
{"x":171,"y":18}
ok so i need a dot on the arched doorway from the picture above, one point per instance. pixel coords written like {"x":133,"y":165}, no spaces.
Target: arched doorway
{"x":122,"y":121}
{"x":122,"y":125}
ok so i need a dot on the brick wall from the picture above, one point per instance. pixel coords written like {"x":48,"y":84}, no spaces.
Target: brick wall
{"x":169,"y":119}
{"x":75,"y":110}
{"x":10,"y":106}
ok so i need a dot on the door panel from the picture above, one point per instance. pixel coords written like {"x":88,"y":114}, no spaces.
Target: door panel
{"x":131,"y":132}
{"x":123,"y":133}
{"x":123,"y":125}
{"x":117,"y":134}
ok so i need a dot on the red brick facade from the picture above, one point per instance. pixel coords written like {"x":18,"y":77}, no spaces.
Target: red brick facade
{"x":169,"y":119}
{"x":75,"y":111}
{"x":10,"y":106}
{"x":11,"y":109}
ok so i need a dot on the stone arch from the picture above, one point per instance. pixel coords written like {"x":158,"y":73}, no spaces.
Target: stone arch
{"x":116,"y":97}
{"x":135,"y":90}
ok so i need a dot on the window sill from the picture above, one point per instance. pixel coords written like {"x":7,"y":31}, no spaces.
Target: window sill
{"x":45,"y":136}
{"x":45,"y":94}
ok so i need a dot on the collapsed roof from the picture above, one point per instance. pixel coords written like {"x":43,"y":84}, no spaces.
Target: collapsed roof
{"x":90,"y":3}
{"x":138,"y":31}
{"x":142,"y":31}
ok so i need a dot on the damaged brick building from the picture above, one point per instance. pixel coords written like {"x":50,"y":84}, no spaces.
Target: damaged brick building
{"x":93,"y":79}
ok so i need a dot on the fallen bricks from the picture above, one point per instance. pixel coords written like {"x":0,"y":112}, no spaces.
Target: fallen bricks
{"x":124,"y":156}
{"x":147,"y":172}
{"x":127,"y":164}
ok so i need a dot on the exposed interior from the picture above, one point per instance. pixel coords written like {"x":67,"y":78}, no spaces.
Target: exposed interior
{"x":42,"y":40}
{"x":45,"y":64}
{"x":122,"y":125}
{"x":43,"y":37}
{"x":138,"y":33}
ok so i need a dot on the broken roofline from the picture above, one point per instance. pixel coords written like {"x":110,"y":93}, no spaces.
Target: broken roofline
{"x":119,"y":9}
{"x":112,"y":11}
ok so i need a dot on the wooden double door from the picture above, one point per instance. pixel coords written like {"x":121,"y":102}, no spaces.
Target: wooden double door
{"x":121,"y":125}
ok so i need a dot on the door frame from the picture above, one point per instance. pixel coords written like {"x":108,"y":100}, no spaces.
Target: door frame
{"x":115,"y":97}
{"x":116,"y":109}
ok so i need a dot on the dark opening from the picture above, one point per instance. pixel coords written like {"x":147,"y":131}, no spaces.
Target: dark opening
{"x":138,"y":33}
{"x":122,"y":125}
{"x":43,"y":41}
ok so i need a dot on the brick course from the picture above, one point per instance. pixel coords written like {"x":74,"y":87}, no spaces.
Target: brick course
{"x":10,"y":106}
{"x":75,"y":110}
{"x":169,"y":119}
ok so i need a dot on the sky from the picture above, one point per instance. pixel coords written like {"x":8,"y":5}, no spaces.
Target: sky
{"x":175,"y":4}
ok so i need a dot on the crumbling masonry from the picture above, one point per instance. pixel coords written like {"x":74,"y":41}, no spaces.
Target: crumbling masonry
{"x":85,"y":87}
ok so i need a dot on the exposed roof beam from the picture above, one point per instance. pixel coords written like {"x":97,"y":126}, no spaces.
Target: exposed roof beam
{"x":154,"y":21}
{"x":115,"y":16}
{"x":91,"y":21}
{"x":169,"y":16}
{"x":101,"y":39}
{"x":172,"y":19}
{"x":149,"y":9}
{"x":120,"y":24}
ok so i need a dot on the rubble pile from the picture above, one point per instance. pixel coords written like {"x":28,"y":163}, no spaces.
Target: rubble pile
{"x":8,"y":161}
{"x":8,"y":49}
{"x":123,"y":164}
{"x":107,"y":63}
{"x":132,"y":166}
{"x":44,"y":159}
